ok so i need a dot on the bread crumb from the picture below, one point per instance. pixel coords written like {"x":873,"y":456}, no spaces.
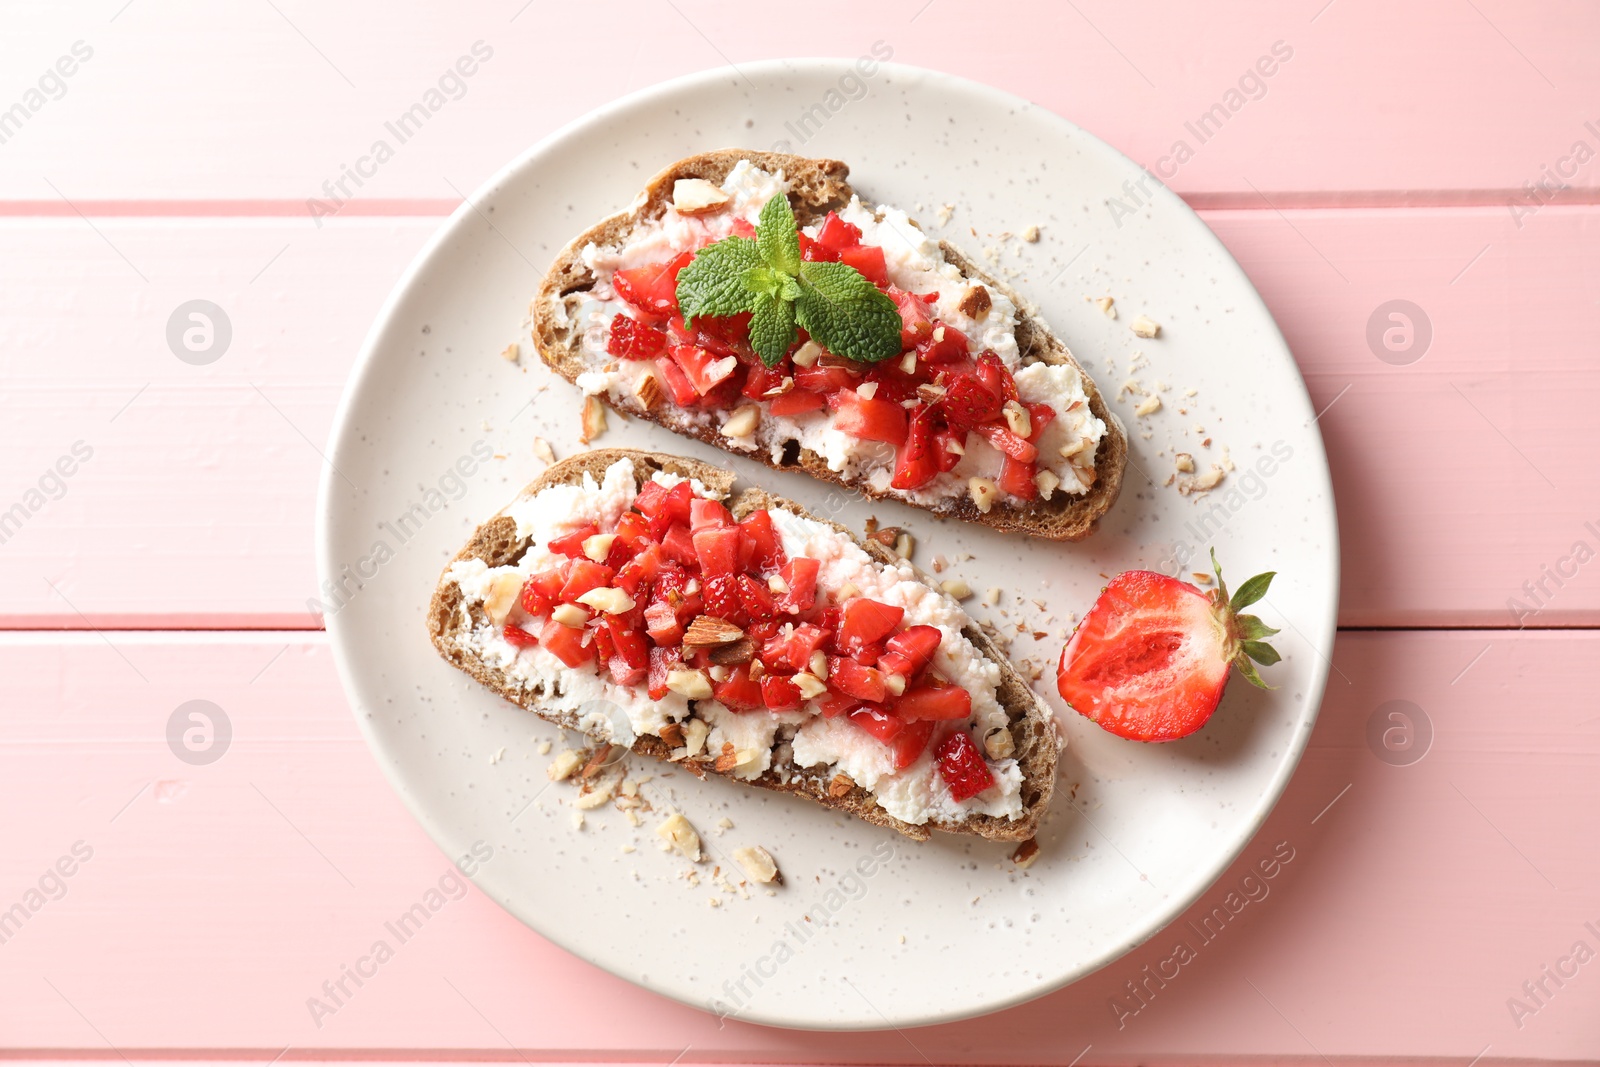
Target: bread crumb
{"x":1145,"y":326}
{"x":511,"y":353}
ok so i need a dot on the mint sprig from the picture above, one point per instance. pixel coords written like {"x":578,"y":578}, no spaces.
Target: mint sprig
{"x":765,"y":276}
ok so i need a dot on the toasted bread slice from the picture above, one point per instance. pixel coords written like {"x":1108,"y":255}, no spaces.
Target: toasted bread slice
{"x":818,"y":186}
{"x":452,"y":617}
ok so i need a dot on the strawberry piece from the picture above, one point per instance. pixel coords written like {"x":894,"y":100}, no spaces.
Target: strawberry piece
{"x":865,"y":621}
{"x":542,"y":591}
{"x":836,"y":704}
{"x":855,"y":679}
{"x":743,"y":228}
{"x":934,"y":702}
{"x":944,"y":455}
{"x":1016,"y":478}
{"x":634,"y":575}
{"x":653,"y":288}
{"x":678,"y":544}
{"x":910,"y":650}
{"x":1039,"y":417}
{"x":661,"y":623}
{"x":568,"y":644}
{"x":704,"y":369}
{"x":718,"y":549}
{"x":779,"y":693}
{"x":792,"y":652}
{"x":650,"y":498}
{"x":767,"y":556}
{"x":811,"y":252}
{"x":584,"y":576}
{"x":677,"y":382}
{"x":967,"y":402}
{"x":916,"y":325}
{"x":662,"y":660}
{"x":915,"y":464}
{"x":877,"y":722}
{"x":993,"y":373}
{"x":708,"y":515}
{"x":517,"y":637}
{"x":796,"y":402}
{"x":869,"y":419}
{"x":1007,"y":443}
{"x":910,"y":743}
{"x":836,"y":235}
{"x":725,"y":335}
{"x":824,"y":380}
{"x":572,"y":544}
{"x":631,"y":339}
{"x":722,"y":599}
{"x":738,"y":691}
{"x":761,"y":379}
{"x":962,"y":767}
{"x":800,"y":575}
{"x":868,"y":259}
{"x":945,"y":344}
{"x":756,"y":598}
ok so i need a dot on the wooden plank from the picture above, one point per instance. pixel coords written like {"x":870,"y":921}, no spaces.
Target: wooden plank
{"x":270,"y":101}
{"x":204,"y":468}
{"x":1417,"y":900}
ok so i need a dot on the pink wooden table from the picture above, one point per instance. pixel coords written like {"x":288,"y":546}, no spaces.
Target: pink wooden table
{"x":159,"y":549}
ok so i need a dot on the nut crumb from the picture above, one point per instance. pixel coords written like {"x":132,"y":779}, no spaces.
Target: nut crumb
{"x":1200,"y":577}
{"x":1107,"y":306}
{"x":511,"y":352}
{"x":680,"y":837}
{"x":840,"y":785}
{"x":543,"y":748}
{"x":1026,"y":853}
{"x":594,"y":419}
{"x":956,"y":588}
{"x":542,"y":450}
{"x":992,"y":597}
{"x":758,"y":864}
{"x":1145,"y":326}
{"x":1030,"y":235}
{"x":1148,"y":406}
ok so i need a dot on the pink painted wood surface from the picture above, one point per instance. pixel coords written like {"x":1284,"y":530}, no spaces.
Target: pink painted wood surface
{"x":1419,"y":898}
{"x":206,"y":466}
{"x":199,"y":102}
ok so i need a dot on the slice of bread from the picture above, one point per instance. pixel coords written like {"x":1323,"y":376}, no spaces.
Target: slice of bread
{"x":451,"y":617}
{"x":817,"y":186}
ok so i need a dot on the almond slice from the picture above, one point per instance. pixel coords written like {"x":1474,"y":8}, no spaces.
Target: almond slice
{"x":680,"y":836}
{"x":983,"y":493}
{"x":692,"y":684}
{"x":607,"y":600}
{"x":808,"y":354}
{"x":743,"y":422}
{"x":696,"y":196}
{"x":758,"y":864}
{"x":740,"y":651}
{"x":710,"y":630}
{"x":594,"y":418}
{"x":598,"y":547}
{"x":502,"y":597}
{"x":649,"y":390}
{"x":569,"y":615}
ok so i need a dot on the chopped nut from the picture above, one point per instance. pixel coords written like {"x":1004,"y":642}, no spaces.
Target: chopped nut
{"x":728,"y":760}
{"x":594,"y":419}
{"x":1031,"y":235}
{"x":743,"y":422}
{"x":607,"y":600}
{"x":894,"y":683}
{"x":718,"y":672}
{"x":710,"y":630}
{"x":954,"y":447}
{"x":867,"y":390}
{"x":541,"y":450}
{"x":1210,"y":478}
{"x":563,"y":765}
{"x":593,"y":799}
{"x":1144,"y":326}
{"x":758,"y":864}
{"x":1072,"y":448}
{"x":810,"y":685}
{"x":807,"y":354}
{"x":848,"y":591}
{"x":692,"y":684}
{"x":819,"y":664}
{"x":597,"y":761}
{"x":649,"y":390}
{"x":569,"y":615}
{"x":929,"y":393}
{"x":672,"y":734}
{"x":1149,"y":405}
{"x":976,"y":304}
{"x":1048,"y":483}
{"x":1200,"y":577}
{"x":1026,"y":853}
{"x":904,"y":545}
{"x":776,"y":585}
{"x":511,"y":352}
{"x":681,"y":836}
{"x":1184,"y":462}
{"x":992,"y":597}
{"x":694,"y":736}
{"x":840,"y":785}
{"x":956,"y":588}
{"x":543,"y":748}
{"x":885,"y":535}
{"x":598,"y":547}
{"x":502,"y":597}
{"x":696,"y":196}
{"x":778,"y":390}
{"x":740,"y":651}
{"x":983,"y":493}
{"x":998,"y":743}
{"x":1017,"y":419}
{"x":1107,"y":306}
{"x":908,"y":363}
{"x":757,"y":669}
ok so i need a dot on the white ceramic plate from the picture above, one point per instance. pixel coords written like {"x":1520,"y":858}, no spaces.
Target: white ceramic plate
{"x":1137,"y":831}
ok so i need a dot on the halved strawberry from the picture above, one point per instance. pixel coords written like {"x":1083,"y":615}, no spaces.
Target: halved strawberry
{"x":961,"y":766}
{"x":1151,"y":659}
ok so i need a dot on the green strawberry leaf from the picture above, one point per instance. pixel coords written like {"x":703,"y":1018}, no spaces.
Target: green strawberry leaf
{"x":846,"y":314}
{"x":777,"y":236}
{"x":1252,"y":628}
{"x":1261,"y":652}
{"x":1222,"y":586}
{"x":1252,"y":590}
{"x":771,"y":328}
{"x":714,"y":281}
{"x":1248,"y":669}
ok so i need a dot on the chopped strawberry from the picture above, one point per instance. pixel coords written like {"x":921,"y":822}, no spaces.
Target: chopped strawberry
{"x":800,"y":575}
{"x":868,"y":259}
{"x":1016,"y":478}
{"x":631,"y":339}
{"x":542,"y":591}
{"x":768,"y":556}
{"x":916,"y":464}
{"x":653,"y":289}
{"x":855,"y":679}
{"x":993,"y":373}
{"x":796,"y":402}
{"x":836,"y":235}
{"x":792,"y":652}
{"x":1151,"y":659}
{"x":934,"y":702}
{"x":584,"y":576}
{"x":1039,"y":417}
{"x":718,"y":550}
{"x":945,"y":344}
{"x":962,"y":767}
{"x":836,"y":704}
{"x":948,"y":448}
{"x":743,"y":228}
{"x":662,"y":624}
{"x":650,"y":498}
{"x":1008,"y":443}
{"x":517,"y":637}
{"x":725,"y":335}
{"x":662,"y":660}
{"x":865,"y":621}
{"x":916,"y":325}
{"x":877,"y":722}
{"x":821,"y":379}
{"x":568,"y":644}
{"x":811,"y":252}
{"x":642,"y":569}
{"x":708,"y":515}
{"x":678,"y":544}
{"x":756,"y":598}
{"x":572,"y":544}
{"x":738,"y":691}
{"x":761,"y":379}
{"x":869,"y":419}
{"x":910,"y":650}
{"x":704,"y":369}
{"x":722,"y":599}
{"x":677,"y":383}
{"x":967,"y":402}
{"x":910,"y":743}
{"x":779,"y":693}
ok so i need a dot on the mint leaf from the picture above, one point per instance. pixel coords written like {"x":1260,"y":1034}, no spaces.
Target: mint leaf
{"x":771,"y":328}
{"x":777,"y":237}
{"x":713,"y":282}
{"x":846,"y":314}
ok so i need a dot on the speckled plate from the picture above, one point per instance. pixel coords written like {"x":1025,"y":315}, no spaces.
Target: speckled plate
{"x":436,"y":432}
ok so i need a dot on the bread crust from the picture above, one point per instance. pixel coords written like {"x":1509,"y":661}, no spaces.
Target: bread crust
{"x":496,"y":543}
{"x":818,"y":186}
